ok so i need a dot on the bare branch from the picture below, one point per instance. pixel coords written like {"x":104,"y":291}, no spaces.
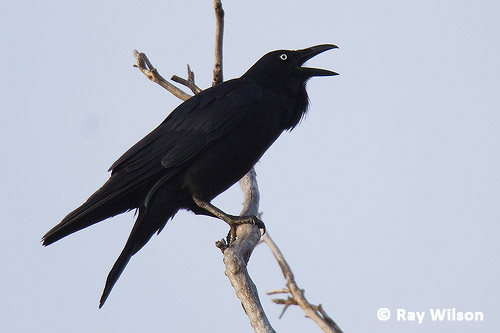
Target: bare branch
{"x":219,"y":35}
{"x":148,"y":69}
{"x":189,"y":82}
{"x":324,"y":322}
{"x":236,"y":258}
{"x":247,"y":236}
{"x":237,"y":255}
{"x":326,"y":316}
{"x":286,"y":302}
{"x":279,"y":291}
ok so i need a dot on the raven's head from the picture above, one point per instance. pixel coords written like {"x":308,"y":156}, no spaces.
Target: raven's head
{"x":286,"y":65}
{"x":283,"y":71}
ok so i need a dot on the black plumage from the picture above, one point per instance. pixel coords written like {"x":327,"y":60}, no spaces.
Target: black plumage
{"x":203,"y":147}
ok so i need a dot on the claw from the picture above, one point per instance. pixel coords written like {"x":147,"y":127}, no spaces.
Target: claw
{"x":232,"y":220}
{"x":258,"y":222}
{"x":239,"y":220}
{"x":231,"y":236}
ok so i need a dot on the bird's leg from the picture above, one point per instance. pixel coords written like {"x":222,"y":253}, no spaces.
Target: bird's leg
{"x":232,"y":220}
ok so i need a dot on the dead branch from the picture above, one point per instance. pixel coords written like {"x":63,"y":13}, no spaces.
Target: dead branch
{"x":189,"y":82}
{"x":151,"y":73}
{"x":316,"y":313}
{"x":286,"y":302}
{"x":219,"y":35}
{"x":278,"y":291}
{"x":237,"y":255}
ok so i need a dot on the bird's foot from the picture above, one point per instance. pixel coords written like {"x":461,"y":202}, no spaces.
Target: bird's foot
{"x":235,"y":221}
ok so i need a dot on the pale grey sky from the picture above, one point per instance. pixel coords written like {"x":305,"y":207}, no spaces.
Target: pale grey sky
{"x":387,"y":194}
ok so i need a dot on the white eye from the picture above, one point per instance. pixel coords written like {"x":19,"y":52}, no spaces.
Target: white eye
{"x":283,"y":56}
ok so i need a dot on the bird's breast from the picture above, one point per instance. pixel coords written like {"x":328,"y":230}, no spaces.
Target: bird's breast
{"x":229,"y":158}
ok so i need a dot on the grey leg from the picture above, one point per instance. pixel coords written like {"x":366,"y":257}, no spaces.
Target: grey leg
{"x":232,"y":220}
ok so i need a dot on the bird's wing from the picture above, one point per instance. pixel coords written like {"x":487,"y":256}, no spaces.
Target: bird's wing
{"x":192,"y":126}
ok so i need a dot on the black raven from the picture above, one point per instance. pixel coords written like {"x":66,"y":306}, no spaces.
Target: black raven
{"x":202,"y":148}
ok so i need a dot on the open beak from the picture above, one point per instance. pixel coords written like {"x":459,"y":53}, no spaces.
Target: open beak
{"x":310,"y":52}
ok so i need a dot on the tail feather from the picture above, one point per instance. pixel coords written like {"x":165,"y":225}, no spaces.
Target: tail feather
{"x":110,"y":200}
{"x":120,"y":194}
{"x":115,"y":273}
{"x":82,"y":217}
{"x":149,"y":221}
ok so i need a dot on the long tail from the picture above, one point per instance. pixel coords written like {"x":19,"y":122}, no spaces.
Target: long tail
{"x":111,"y":199}
{"x":151,"y":219}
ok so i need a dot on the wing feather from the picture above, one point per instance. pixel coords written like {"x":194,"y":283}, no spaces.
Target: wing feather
{"x":192,"y":126}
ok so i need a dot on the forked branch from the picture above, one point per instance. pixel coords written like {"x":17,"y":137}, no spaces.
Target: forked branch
{"x":151,"y":73}
{"x":315,"y":312}
{"x":237,"y":255}
{"x":189,"y":82}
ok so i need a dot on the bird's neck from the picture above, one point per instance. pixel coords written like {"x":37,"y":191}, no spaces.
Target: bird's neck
{"x":293,"y":100}
{"x":296,"y":102}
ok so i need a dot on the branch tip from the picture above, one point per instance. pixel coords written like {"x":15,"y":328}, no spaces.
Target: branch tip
{"x":219,"y":35}
{"x":147,"y":68}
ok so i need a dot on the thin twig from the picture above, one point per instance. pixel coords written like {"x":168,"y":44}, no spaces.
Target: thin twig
{"x":219,"y":35}
{"x":286,"y":302}
{"x":318,"y":316}
{"x":326,"y":316}
{"x":148,"y":69}
{"x":279,"y":291}
{"x":189,"y":82}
